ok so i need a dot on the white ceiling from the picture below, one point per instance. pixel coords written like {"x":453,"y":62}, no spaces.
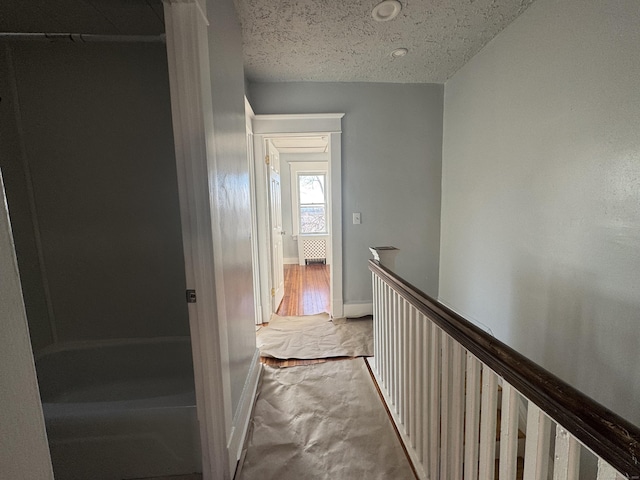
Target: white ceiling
{"x":338,"y":40}
{"x":301,"y":144}
{"x":305,"y":40}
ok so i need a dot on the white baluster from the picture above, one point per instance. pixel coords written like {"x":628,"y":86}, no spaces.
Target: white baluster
{"x":567,"y":456}
{"x":401,"y":362}
{"x":378,"y":339}
{"x":387,"y":336}
{"x":472,"y":419}
{"x":415,"y":385}
{"x":406,"y":361}
{"x":381,"y":339}
{"x":374,"y":288}
{"x":607,"y":472}
{"x":434,"y":402}
{"x":445,"y":406}
{"x":424,"y":345}
{"x":397,"y":364}
{"x":488,"y":413}
{"x":508,"y":433}
{"x":457,"y":409}
{"x":536,"y":450}
{"x":411,"y":377}
{"x":394,"y":352}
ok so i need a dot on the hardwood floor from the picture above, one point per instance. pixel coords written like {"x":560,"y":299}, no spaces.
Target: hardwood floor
{"x":306,"y":290}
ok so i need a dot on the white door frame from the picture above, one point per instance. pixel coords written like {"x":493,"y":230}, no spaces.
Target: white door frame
{"x":192,"y":111}
{"x":275,"y":225}
{"x":325,"y":124}
{"x":249,"y":116}
{"x":24,"y":449}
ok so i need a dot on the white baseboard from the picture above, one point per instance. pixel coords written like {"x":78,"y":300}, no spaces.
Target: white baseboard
{"x":291,"y":260}
{"x":355,"y":310}
{"x":241,"y":419}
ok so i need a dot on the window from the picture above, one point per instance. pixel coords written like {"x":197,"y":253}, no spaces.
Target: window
{"x":312,"y":203}
{"x":310,"y":198}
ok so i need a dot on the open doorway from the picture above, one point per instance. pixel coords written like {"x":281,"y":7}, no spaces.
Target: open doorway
{"x":306,"y":224}
{"x":297,"y":196}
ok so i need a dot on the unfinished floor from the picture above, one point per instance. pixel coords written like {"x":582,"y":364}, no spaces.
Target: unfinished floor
{"x":320,"y":421}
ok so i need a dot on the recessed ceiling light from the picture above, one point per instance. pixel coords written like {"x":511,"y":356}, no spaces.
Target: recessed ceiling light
{"x":399,"y":52}
{"x":387,"y":10}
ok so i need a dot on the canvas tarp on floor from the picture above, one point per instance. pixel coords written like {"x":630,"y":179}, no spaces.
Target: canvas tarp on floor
{"x":315,"y":336}
{"x":322,"y":421}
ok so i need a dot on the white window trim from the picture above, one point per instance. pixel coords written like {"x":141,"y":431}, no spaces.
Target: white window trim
{"x":320,"y":168}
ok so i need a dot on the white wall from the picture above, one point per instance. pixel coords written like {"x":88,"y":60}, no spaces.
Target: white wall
{"x":233,"y":203}
{"x":541,"y":188}
{"x":91,"y":173}
{"x":24,"y":452}
{"x":391,"y":159}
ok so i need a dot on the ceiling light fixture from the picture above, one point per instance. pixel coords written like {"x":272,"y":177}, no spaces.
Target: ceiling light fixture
{"x":387,"y":10}
{"x":399,"y":52}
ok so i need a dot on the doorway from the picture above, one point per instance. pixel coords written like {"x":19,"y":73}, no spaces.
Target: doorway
{"x":298,"y":201}
{"x":306,"y":207}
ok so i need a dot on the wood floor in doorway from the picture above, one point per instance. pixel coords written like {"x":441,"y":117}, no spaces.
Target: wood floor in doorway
{"x":306,"y":290}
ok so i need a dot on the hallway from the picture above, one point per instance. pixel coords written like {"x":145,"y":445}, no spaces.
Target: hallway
{"x":322,"y":421}
{"x":306,"y":290}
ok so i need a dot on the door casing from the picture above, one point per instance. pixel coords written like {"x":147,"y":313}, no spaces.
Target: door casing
{"x":266,"y":126}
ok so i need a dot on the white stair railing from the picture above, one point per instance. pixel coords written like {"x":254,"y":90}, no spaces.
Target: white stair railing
{"x":450,"y":387}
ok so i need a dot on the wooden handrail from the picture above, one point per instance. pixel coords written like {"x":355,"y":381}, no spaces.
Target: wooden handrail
{"x":605,"y":433}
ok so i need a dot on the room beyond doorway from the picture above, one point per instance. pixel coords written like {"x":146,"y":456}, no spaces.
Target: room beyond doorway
{"x":286,"y":144}
{"x":306,"y":290}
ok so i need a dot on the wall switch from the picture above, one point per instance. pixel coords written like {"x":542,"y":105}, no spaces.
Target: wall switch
{"x":356,"y":219}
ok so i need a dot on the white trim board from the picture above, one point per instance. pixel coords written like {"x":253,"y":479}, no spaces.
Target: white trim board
{"x":249,"y":115}
{"x":24,"y":449}
{"x":240,"y":424}
{"x":301,"y":123}
{"x":356,"y":310}
{"x":192,"y":113}
{"x":290,"y":260}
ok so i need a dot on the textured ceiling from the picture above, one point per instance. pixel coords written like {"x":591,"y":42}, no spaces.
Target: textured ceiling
{"x":338,"y":40}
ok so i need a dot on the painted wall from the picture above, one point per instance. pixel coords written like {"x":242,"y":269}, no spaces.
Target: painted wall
{"x":391,"y":158}
{"x":233,"y":201}
{"x":21,"y":422}
{"x":290,"y":246}
{"x":541,"y":187}
{"x":91,"y":174}
{"x":19,"y":197}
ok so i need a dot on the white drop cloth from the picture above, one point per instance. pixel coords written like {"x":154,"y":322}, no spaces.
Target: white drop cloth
{"x":315,"y":336}
{"x":322,"y":421}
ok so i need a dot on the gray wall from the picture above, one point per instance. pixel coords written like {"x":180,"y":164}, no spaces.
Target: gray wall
{"x":24,"y":452}
{"x":19,"y":197}
{"x":391,"y":160}
{"x":541,"y":188}
{"x":233,"y":202}
{"x":95,"y":182}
